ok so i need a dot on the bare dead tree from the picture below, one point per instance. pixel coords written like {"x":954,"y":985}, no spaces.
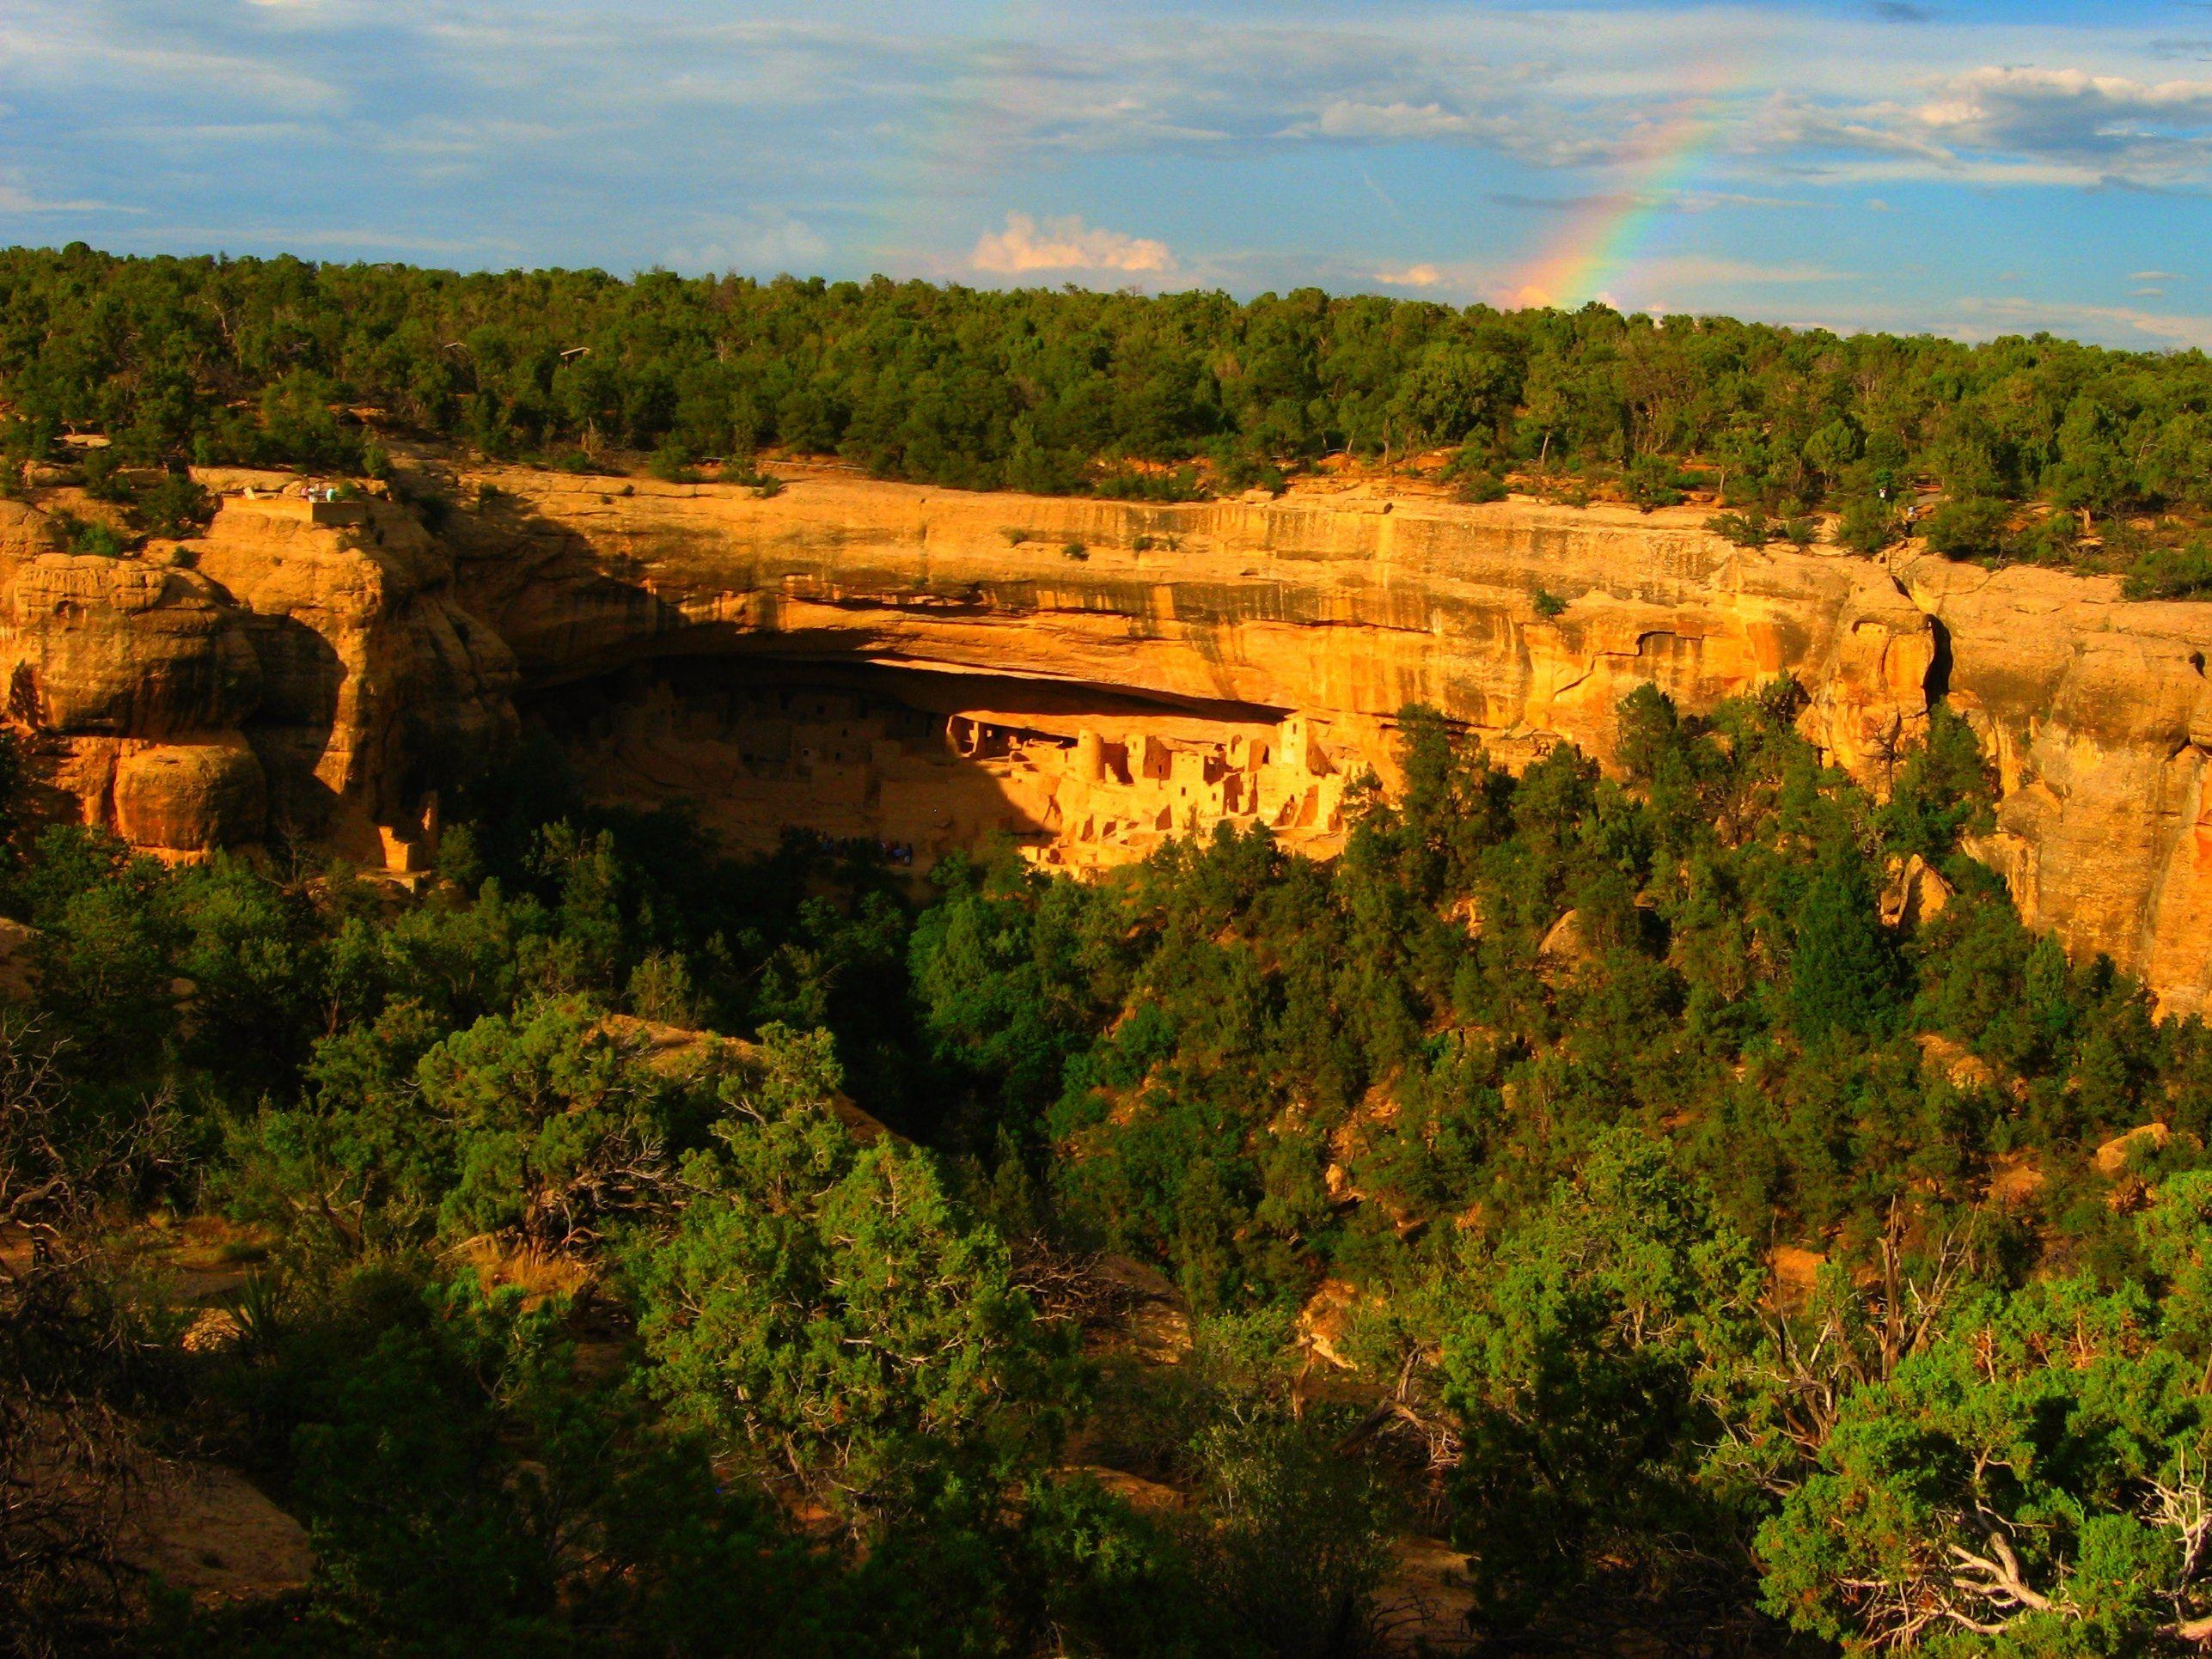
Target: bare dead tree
{"x":69,"y":1468}
{"x":1861,"y":1338}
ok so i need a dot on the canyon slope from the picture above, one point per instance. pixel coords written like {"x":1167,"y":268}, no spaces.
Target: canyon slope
{"x":930,"y":667}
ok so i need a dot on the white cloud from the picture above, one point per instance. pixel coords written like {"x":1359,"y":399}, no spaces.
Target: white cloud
{"x":765,"y":242}
{"x":1708,"y":201}
{"x":17,"y":197}
{"x":1347,"y":118}
{"x":1990,"y":124}
{"x":2105,"y":120}
{"x":14,"y":200}
{"x":46,"y":44}
{"x":1413,"y":276}
{"x":1981,"y":317}
{"x":1068,"y":244}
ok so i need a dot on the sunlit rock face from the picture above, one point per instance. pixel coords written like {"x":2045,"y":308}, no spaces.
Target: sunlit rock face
{"x":1112,"y":674}
{"x":291,"y":674}
{"x":2098,"y":717}
{"x":930,"y":668}
{"x":1526,"y":624}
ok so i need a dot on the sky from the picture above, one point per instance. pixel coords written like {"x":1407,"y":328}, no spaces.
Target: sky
{"x":1963,"y":166}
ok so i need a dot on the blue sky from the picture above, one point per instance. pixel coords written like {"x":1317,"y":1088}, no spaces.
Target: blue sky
{"x":1956,"y":165}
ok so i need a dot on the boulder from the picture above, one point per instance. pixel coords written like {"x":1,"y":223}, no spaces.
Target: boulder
{"x":191,"y":797}
{"x":1564,"y":944}
{"x":1915,"y":893}
{"x":212,"y":1534}
{"x":2113,"y":1157}
{"x":1325,"y":1323}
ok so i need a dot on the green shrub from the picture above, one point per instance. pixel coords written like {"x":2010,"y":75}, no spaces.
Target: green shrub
{"x":2171,"y":572}
{"x":1653,"y":481}
{"x":672,"y":464}
{"x":2053,"y":539}
{"x":174,"y":507}
{"x":1479,"y":487}
{"x":1293,"y":1539}
{"x":298,"y":427}
{"x":1868,"y":524}
{"x":73,"y":534}
{"x":1572,"y":1356}
{"x":1129,"y":484}
{"x":1968,"y":529}
{"x":104,"y":478}
{"x":1845,"y":973}
{"x":26,"y":439}
{"x":740,"y":469}
{"x":1747,"y":529}
{"x":1247,"y":469}
{"x":830,"y":1305}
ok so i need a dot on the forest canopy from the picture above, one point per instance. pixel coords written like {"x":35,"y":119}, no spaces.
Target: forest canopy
{"x":1689,"y":1192}
{"x":1596,"y":1173}
{"x":284,"y":361}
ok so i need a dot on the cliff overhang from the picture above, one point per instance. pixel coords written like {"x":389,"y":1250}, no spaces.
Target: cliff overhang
{"x":1090,"y":676}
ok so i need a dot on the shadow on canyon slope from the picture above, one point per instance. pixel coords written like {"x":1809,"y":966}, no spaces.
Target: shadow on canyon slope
{"x":291,"y":732}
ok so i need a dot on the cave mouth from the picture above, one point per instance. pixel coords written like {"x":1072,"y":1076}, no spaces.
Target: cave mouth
{"x":928,"y":761}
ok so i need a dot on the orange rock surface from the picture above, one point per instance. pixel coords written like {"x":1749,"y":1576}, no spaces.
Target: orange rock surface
{"x":288,"y":676}
{"x":1091,"y":675}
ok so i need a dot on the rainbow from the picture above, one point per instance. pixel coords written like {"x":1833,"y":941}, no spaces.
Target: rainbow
{"x":1603,"y":236}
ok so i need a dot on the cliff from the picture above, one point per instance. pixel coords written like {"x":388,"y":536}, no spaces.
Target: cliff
{"x":930,"y":665}
{"x":289,"y":675}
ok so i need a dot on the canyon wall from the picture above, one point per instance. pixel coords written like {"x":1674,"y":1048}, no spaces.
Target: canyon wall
{"x":929,"y":666}
{"x":300,"y":674}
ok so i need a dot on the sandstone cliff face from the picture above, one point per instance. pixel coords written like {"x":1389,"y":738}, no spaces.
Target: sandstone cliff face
{"x":1156,"y":668}
{"x":132,"y":673}
{"x":2100,"y":717}
{"x":375,"y":682}
{"x":1527,"y":624}
{"x":298,"y":678}
{"x":1341,"y":607}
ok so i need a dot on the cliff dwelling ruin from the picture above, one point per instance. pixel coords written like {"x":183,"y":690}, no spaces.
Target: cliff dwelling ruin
{"x":928,"y":762}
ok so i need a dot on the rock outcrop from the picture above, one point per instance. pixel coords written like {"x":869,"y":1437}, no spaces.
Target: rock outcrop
{"x":1528,"y":623}
{"x":928,"y":666}
{"x":2098,"y":715}
{"x":376,"y":684}
{"x":291,"y":674}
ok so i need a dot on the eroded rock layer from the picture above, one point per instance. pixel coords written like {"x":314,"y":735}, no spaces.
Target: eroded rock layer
{"x":1088,"y":675}
{"x":294,"y":673}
